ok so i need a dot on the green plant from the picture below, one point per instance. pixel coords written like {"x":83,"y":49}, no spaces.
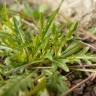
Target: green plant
{"x":35,"y":51}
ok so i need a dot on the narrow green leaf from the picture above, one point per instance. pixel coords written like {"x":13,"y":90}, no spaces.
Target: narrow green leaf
{"x":27,"y":9}
{"x":72,"y":29}
{"x":62,"y":64}
{"x":73,"y":48}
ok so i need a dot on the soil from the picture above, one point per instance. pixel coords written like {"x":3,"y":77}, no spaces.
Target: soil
{"x":86,"y":89}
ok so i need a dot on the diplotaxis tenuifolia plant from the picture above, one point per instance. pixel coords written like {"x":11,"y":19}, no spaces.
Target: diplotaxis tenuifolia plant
{"x":34,"y":48}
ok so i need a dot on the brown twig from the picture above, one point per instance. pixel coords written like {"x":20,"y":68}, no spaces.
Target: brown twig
{"x":80,"y":66}
{"x":79,"y":84}
{"x":88,"y":33}
{"x":30,"y":24}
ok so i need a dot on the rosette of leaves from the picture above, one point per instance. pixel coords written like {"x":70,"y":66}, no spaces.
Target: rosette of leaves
{"x":34,"y":51}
